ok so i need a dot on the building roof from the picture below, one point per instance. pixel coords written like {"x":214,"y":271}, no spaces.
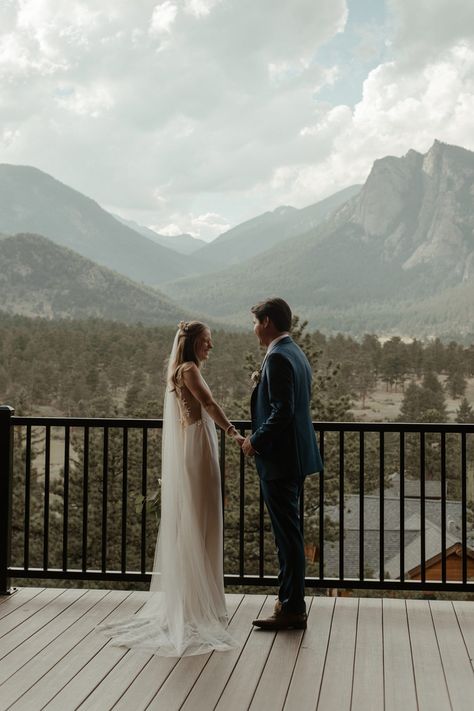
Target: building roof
{"x":433,"y":547}
{"x":412,"y":535}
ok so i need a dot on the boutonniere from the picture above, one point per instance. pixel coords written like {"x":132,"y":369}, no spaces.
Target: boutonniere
{"x":256,"y":377}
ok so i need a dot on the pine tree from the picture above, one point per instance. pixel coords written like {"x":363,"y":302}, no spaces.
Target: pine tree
{"x":456,"y":383}
{"x":464,"y":413}
{"x":410,"y":410}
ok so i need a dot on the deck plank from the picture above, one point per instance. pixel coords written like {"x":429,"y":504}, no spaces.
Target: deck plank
{"x":368,"y":687}
{"x":48,"y":672}
{"x":27,"y":611}
{"x":26,"y":640}
{"x":431,"y":689}
{"x":208,"y":688}
{"x":97,"y":657}
{"x":464,"y":610}
{"x":144,"y":688}
{"x":455,"y":659}
{"x":305,"y":684}
{"x":42,"y":648}
{"x":172,"y":690}
{"x":8,"y":603}
{"x":243,"y":682}
{"x":336,"y":687}
{"x":184,"y":675}
{"x":276,"y":676}
{"x":400,"y":691}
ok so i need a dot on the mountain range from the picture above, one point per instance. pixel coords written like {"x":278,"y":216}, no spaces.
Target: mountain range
{"x":395,"y":255}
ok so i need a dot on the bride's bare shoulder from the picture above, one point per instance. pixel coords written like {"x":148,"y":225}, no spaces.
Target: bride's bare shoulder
{"x":189,"y":369}
{"x":188,"y":365}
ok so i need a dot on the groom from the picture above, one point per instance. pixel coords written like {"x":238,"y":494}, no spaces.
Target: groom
{"x":285,"y":449}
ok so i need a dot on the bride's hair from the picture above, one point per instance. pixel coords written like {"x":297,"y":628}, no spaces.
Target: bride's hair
{"x":188,"y":334}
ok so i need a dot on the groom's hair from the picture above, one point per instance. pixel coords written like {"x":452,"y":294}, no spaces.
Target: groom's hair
{"x":277,"y":311}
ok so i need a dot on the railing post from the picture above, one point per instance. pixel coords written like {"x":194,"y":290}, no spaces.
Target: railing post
{"x":6,"y":471}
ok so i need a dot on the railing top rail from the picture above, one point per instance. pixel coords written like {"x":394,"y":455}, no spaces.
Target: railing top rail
{"x":89,"y":421}
{"x":455,"y":427}
{"x":245,"y":424}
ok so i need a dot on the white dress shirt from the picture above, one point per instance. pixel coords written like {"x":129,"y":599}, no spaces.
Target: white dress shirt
{"x":272,"y":345}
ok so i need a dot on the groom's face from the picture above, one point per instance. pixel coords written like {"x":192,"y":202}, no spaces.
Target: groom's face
{"x":260,"y":329}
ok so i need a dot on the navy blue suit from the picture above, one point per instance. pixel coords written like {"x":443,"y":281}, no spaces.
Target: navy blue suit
{"x":284,"y":439}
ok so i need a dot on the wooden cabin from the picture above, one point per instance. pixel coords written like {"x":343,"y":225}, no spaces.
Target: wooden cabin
{"x":453,"y":565}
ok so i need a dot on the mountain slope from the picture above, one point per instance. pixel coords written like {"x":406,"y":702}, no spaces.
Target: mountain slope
{"x":380,"y":262}
{"x":184,"y":244}
{"x":269,"y":229}
{"x":32,"y":201}
{"x":40,"y":278}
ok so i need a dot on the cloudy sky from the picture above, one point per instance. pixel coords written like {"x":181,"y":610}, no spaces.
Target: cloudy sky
{"x":194,"y":115}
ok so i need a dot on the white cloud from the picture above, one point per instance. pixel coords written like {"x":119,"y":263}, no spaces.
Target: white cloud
{"x":9,"y":137}
{"x":92,"y":101}
{"x":200,"y":8}
{"x":206,"y":226}
{"x":426,"y":28}
{"x":163,"y":17}
{"x":170,"y":230}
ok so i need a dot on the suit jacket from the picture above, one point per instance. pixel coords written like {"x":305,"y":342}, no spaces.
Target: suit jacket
{"x":283,"y":433}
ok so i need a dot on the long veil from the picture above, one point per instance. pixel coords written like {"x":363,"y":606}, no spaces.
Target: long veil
{"x":185,"y":612}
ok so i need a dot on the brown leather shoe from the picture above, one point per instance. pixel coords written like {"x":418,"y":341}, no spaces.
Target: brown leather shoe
{"x":283,"y":621}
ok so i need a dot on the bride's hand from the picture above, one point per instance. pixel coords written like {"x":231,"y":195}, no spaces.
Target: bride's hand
{"x":240,"y":440}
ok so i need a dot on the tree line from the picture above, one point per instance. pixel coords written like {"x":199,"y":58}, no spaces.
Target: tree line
{"x":104,"y":368}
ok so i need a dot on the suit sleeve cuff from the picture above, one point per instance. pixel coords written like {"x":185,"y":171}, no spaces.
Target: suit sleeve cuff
{"x":252,"y":440}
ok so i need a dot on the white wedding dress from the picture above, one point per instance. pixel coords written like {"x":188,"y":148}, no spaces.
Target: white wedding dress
{"x":186,"y":611}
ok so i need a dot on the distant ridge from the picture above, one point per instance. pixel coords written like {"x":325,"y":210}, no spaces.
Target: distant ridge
{"x":265,"y":231}
{"x":41,"y":278}
{"x":34,"y":202}
{"x":184,"y":243}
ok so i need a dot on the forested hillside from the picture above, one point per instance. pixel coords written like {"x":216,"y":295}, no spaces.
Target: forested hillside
{"x":96,"y":367}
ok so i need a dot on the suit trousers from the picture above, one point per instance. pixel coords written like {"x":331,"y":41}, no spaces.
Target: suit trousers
{"x":282,"y":501}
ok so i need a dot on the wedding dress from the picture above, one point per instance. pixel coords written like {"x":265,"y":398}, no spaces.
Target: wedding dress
{"x":185,"y":613}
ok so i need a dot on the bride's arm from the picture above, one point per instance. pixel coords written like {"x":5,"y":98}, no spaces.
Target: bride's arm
{"x":199,"y":388}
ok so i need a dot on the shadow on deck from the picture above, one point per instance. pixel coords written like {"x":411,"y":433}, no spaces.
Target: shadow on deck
{"x":357,"y":654}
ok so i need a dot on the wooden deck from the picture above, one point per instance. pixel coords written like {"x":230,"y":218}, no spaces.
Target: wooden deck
{"x":358,"y":654}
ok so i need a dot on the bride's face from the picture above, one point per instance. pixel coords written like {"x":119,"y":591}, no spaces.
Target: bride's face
{"x":203,"y":345}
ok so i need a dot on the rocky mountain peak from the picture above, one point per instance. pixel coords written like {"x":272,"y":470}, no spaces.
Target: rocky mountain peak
{"x":420,"y":205}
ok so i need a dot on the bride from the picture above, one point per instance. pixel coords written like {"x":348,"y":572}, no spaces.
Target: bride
{"x":185,"y":613}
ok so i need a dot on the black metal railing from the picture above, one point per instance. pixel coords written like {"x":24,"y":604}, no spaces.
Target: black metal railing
{"x":79,"y":500}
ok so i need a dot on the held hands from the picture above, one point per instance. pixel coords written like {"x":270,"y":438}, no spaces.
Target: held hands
{"x":243,"y":442}
{"x":231,"y":431}
{"x":247,"y":448}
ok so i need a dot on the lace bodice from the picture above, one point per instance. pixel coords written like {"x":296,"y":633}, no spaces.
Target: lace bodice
{"x":189,"y":407}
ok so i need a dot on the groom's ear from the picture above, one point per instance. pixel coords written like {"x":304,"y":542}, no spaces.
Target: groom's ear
{"x":266,"y":321}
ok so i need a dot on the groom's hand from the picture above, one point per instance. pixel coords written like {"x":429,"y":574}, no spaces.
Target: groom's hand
{"x":247,"y":448}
